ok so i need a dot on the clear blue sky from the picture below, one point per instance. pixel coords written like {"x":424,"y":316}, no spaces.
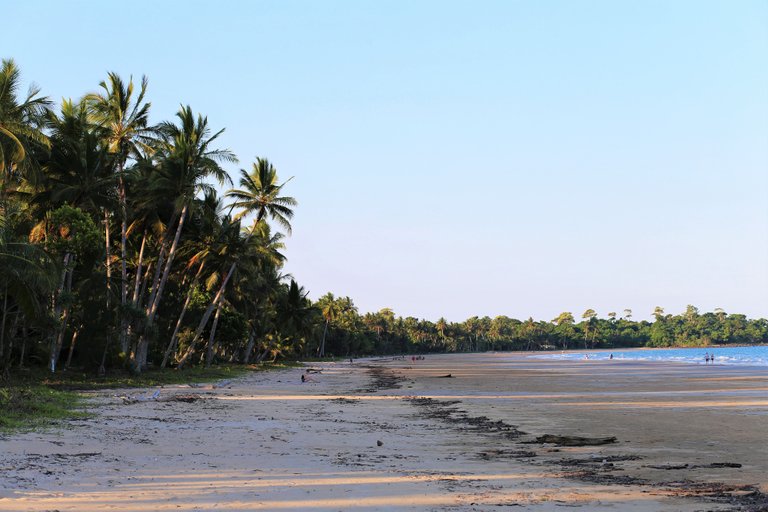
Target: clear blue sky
{"x":468,"y":158}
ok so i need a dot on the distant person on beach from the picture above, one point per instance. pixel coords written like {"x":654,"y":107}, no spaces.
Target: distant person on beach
{"x":611,"y":357}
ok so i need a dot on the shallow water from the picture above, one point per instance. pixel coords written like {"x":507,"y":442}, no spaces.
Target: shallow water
{"x":752,"y":355}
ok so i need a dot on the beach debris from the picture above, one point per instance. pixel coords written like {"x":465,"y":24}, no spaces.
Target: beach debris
{"x":575,"y":440}
{"x":595,"y":460}
{"x":667,"y":466}
{"x":379,"y":443}
{"x":132,"y":399}
{"x":506,"y":454}
{"x":188,"y":398}
{"x":449,"y":376}
{"x":748,"y":497}
{"x":155,"y":397}
{"x":444,"y":410}
{"x":381,"y":379}
{"x":721,"y":465}
{"x":342,"y":400}
{"x":713,"y":465}
{"x":215,"y":385}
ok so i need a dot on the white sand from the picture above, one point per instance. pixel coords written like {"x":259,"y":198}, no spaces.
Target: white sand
{"x":272,"y":443}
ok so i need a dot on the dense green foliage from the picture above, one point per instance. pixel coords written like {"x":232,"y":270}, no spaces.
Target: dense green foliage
{"x":383,"y":332}
{"x":117,"y":253}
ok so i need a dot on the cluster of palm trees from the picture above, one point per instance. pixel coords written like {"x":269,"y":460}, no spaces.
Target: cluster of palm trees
{"x":116,"y":247}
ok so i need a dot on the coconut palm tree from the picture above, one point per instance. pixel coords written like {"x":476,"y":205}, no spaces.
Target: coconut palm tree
{"x":185,"y":158}
{"x":124,"y":125}
{"x":330,"y":310}
{"x":260,"y":196}
{"x":255,"y":254}
{"x":26,"y":280}
{"x":21,"y":122}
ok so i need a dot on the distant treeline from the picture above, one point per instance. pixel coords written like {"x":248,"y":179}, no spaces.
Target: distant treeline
{"x":383,"y":332}
{"x":117,"y":252}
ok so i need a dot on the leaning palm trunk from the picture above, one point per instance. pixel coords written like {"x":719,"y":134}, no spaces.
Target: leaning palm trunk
{"x":207,"y":315}
{"x":175,"y":335}
{"x":140,"y":359}
{"x":159,"y":265}
{"x":212,"y":337}
{"x":72,"y":346}
{"x":249,"y":346}
{"x":137,"y":278}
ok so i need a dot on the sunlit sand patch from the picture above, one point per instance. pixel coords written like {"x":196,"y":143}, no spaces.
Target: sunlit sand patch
{"x":217,"y":498}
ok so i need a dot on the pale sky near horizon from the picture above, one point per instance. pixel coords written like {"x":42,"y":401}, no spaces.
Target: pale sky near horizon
{"x":468,"y":158}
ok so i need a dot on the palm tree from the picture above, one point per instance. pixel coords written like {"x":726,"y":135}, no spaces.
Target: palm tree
{"x":255,"y":256}
{"x":207,"y":244}
{"x":185,"y":158}
{"x":330,"y":310}
{"x":76,"y":175}
{"x":20,"y":122}
{"x":259,"y":195}
{"x":25,"y":281}
{"x":77,"y":170}
{"x":123,"y":123}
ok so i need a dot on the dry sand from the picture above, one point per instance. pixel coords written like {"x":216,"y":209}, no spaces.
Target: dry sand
{"x":397,"y":435}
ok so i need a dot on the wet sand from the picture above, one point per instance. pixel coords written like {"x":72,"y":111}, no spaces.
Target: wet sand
{"x":392,"y":434}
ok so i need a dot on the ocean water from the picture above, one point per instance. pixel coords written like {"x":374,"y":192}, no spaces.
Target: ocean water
{"x":753,"y":355}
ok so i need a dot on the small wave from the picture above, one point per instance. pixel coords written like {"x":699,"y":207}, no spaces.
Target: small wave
{"x":753,"y":356}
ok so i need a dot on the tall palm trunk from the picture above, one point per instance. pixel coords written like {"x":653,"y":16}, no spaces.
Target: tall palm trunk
{"x":212,"y":337}
{"x":322,"y":345}
{"x":57,"y":336}
{"x":249,"y":347}
{"x":137,"y":279}
{"x":174,"y":336}
{"x":207,"y":315}
{"x":107,"y":339}
{"x":157,"y":294}
{"x":72,"y":346}
{"x":23,"y":343}
{"x":123,"y":266}
{"x":159,"y":264}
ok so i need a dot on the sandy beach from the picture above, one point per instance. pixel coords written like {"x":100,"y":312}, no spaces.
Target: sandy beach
{"x":450,"y":432}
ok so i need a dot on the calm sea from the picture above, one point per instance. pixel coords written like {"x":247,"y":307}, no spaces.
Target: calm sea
{"x":754,"y":355}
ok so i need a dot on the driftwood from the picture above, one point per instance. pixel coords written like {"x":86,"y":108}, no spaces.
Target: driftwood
{"x":574,"y":440}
